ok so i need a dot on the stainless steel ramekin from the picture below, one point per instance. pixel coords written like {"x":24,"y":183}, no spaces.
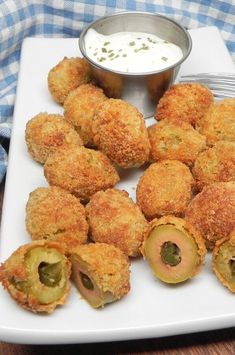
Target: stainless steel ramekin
{"x":144,"y":89}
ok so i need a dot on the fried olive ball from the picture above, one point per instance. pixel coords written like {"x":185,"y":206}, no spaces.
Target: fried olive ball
{"x":119,"y":131}
{"x":219,"y":122}
{"x":101,"y":273}
{"x":164,"y":188}
{"x":212,"y":211}
{"x":223,"y":261}
{"x":175,"y":141}
{"x":81,"y":171}
{"x":115,"y":219}
{"x":174,"y":249}
{"x":55,"y":214}
{"x":45,"y":133}
{"x":66,"y":76}
{"x":215,"y":164}
{"x":79,"y":108}
{"x":36,"y":275}
{"x":186,"y":102}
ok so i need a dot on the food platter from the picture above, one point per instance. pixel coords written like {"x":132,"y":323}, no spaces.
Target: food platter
{"x":151,"y":309}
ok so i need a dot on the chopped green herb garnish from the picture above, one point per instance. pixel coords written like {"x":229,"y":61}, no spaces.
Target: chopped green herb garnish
{"x":111,"y":55}
{"x":132,"y":44}
{"x":111,"y":50}
{"x":165,"y":59}
{"x":124,"y":55}
{"x":106,"y":43}
{"x":102,"y":59}
{"x":104,"y":50}
{"x":151,"y":40}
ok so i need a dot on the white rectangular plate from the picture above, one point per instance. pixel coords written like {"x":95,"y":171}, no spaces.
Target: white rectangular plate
{"x":151,"y":309}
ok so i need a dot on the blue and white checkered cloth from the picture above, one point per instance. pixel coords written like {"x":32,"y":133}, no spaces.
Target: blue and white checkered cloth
{"x":66,"y":18}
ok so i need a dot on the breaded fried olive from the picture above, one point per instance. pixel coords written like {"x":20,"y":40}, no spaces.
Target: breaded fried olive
{"x":223,"y":261}
{"x":186,"y":102}
{"x":66,"y":76}
{"x":79,"y":109}
{"x":101,"y":273}
{"x":174,"y":249}
{"x":115,"y":219}
{"x":45,"y":133}
{"x":218,"y":123}
{"x":212,"y":211}
{"x":119,"y":131}
{"x":55,"y":214}
{"x":37,"y":276}
{"x":215,"y":164}
{"x":164,"y":188}
{"x":81,"y":171}
{"x":170,"y":140}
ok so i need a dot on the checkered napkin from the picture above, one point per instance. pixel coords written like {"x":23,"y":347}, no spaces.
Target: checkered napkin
{"x":66,"y":18}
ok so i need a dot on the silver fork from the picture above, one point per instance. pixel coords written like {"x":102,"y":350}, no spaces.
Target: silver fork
{"x":221,"y":84}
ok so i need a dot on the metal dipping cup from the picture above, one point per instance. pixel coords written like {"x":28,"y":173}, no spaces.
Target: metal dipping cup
{"x":143,"y":89}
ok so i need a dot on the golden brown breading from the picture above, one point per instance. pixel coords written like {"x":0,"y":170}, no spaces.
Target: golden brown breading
{"x":79,"y":108}
{"x":119,"y":131}
{"x":101,"y":273}
{"x":81,"y":171}
{"x":164,"y":188}
{"x":55,"y":214}
{"x":36,"y":275}
{"x":215,"y":164}
{"x":212,"y":211}
{"x":45,"y":133}
{"x":223,"y":261}
{"x":219,"y":122}
{"x":115,"y":219}
{"x":186,"y":102}
{"x":66,"y":76}
{"x":169,"y":140}
{"x":174,"y":249}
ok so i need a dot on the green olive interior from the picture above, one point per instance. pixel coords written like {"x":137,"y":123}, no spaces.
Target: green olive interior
{"x":172,"y":253}
{"x":47,"y":274}
{"x":50,"y":274}
{"x":225,"y":262}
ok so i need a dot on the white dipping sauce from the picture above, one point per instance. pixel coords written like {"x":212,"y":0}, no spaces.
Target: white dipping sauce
{"x":131,"y":52}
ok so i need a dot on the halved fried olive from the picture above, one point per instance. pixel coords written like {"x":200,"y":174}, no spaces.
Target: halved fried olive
{"x":100,"y":272}
{"x":223,"y":261}
{"x":173,"y":249}
{"x":37,"y":276}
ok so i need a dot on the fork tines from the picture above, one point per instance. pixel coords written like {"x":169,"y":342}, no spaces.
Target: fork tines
{"x":221,"y":84}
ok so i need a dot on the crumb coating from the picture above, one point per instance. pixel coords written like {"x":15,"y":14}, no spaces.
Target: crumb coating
{"x":45,"y":133}
{"x":115,"y":219}
{"x":186,"y":102}
{"x":119,"y":131}
{"x":108,"y":266}
{"x":14,"y":270}
{"x":218,"y":124}
{"x":215,"y":164}
{"x":81,"y":171}
{"x":164,"y":188}
{"x":170,"y":140}
{"x":223,"y":261}
{"x":212,"y":211}
{"x":66,"y":76}
{"x":55,"y":214}
{"x":188,"y":230}
{"x":79,"y":109}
